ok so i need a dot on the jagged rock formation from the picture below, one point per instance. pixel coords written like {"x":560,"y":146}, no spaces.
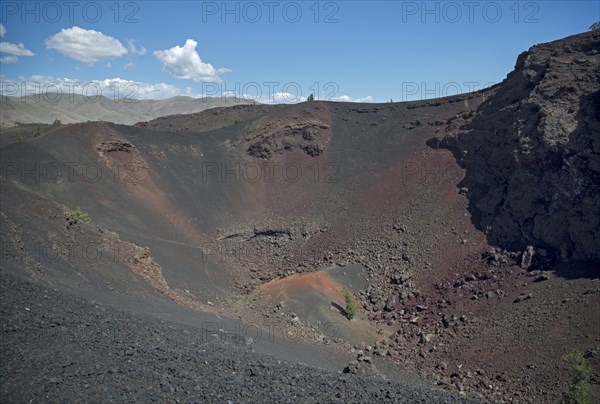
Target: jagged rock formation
{"x":290,"y":137}
{"x":532,"y":152}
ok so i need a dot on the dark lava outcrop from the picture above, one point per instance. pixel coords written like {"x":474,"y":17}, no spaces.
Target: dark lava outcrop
{"x":532,"y":152}
{"x":292,"y":136}
{"x":113,"y":145}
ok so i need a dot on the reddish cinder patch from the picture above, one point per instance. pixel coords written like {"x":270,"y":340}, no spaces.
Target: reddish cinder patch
{"x":298,"y":284}
{"x":138,"y":179}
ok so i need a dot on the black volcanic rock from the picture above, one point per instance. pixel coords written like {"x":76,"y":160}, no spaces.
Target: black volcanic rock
{"x":532,"y":152}
{"x":287,"y":138}
{"x":80,"y":350}
{"x":113,"y":145}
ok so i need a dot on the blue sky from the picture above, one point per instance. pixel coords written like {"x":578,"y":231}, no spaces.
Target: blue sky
{"x":279,"y":50}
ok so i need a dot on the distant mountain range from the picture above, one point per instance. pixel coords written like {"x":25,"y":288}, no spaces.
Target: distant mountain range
{"x":41,"y":109}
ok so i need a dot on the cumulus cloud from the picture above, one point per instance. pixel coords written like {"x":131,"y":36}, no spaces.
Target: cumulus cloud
{"x":9,"y":59}
{"x":128,"y":65}
{"x":87,"y":46}
{"x":140,"y":90}
{"x":289,"y":98}
{"x":347,"y":98}
{"x":342,"y":98}
{"x":110,"y":88}
{"x":366,"y":99}
{"x":14,"y":49}
{"x":135,"y":50}
{"x":279,"y":98}
{"x":185,"y":63}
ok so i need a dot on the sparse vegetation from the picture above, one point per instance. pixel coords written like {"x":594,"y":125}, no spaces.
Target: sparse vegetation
{"x":350,"y":309}
{"x":579,"y":391}
{"x":38,"y":131}
{"x":310,"y":98}
{"x":81,"y":215}
{"x":237,"y":121}
{"x":56,"y":122}
{"x":19,"y":138}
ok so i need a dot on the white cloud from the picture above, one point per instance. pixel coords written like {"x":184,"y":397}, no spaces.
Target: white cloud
{"x":9,"y":59}
{"x":289,"y":98}
{"x":133,"y":49}
{"x":140,"y":90}
{"x":342,"y":98}
{"x":229,"y":94}
{"x":14,"y":49}
{"x":185,"y":63}
{"x":87,"y":46}
{"x":347,"y":98}
{"x":110,"y":88}
{"x":128,"y":65}
{"x":284,"y":98}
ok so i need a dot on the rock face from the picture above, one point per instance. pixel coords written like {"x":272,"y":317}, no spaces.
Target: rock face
{"x":532,"y":152}
{"x":113,"y":145}
{"x":289,"y":137}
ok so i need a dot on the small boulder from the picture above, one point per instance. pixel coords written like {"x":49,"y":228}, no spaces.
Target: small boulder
{"x":527,"y":257}
{"x":522,"y":297}
{"x":392,"y":303}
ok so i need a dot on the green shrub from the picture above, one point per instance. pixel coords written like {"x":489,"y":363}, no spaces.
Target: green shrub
{"x":38,"y":131}
{"x":350,"y":310}
{"x":19,"y":138}
{"x":81,"y":215}
{"x":57,"y":122}
{"x":311,"y":98}
{"x":579,"y":391}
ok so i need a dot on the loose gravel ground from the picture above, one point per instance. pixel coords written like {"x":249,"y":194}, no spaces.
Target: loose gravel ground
{"x":59,"y":348}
